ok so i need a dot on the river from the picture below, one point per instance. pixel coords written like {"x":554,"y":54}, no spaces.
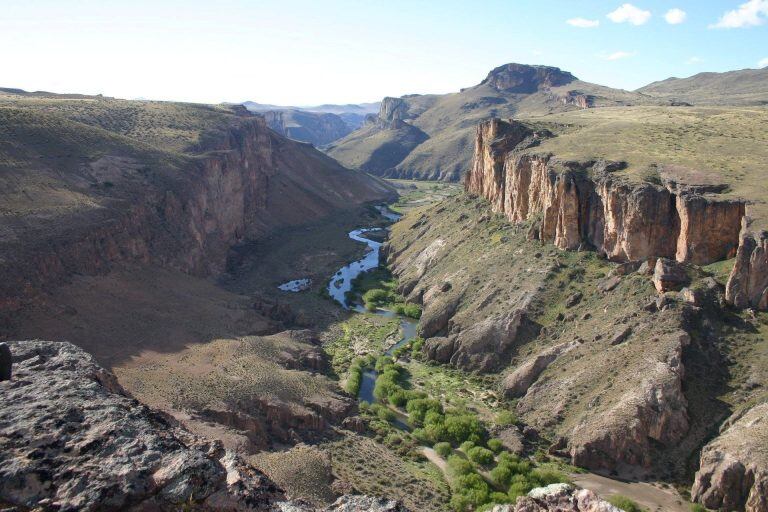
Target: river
{"x":341,"y":283}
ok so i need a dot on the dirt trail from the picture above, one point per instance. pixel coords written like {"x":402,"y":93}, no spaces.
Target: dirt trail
{"x":654,"y":498}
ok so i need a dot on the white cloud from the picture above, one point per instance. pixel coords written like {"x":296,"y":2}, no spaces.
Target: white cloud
{"x":630,"y":14}
{"x":694,"y":60}
{"x":763,"y":63}
{"x":583,"y":23}
{"x":675,"y":16}
{"x":750,"y":14}
{"x":618,"y":55}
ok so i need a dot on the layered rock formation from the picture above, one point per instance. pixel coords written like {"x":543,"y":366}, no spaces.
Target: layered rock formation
{"x":732,"y":473}
{"x":576,"y":204}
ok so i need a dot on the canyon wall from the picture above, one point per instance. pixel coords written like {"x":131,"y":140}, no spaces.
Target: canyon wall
{"x":583,"y":204}
{"x":241,"y":182}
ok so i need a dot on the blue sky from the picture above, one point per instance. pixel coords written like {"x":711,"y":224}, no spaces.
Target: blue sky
{"x":303,"y":52}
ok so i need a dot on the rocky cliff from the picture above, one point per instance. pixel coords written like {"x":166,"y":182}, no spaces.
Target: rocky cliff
{"x":583,"y":204}
{"x":313,"y":127}
{"x":182,"y":210}
{"x":524,"y":79}
{"x":748,"y":283}
{"x":732,"y":474}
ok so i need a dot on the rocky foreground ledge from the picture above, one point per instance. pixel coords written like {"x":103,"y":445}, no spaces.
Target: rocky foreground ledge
{"x":72,"y":439}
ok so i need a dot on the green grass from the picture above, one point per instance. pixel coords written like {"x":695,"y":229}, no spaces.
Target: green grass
{"x":624,"y":503}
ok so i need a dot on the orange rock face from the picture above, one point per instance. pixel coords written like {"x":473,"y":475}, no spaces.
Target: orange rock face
{"x":584,"y":204}
{"x":748,"y":283}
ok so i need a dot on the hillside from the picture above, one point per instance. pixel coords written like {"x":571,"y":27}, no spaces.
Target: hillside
{"x":742,"y":87}
{"x":430,"y":136}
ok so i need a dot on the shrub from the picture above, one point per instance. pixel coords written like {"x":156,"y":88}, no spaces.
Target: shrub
{"x":399,"y":398}
{"x":502,"y":475}
{"x":473,"y":487}
{"x":384,"y":414}
{"x":443,"y":449}
{"x":518,"y":489}
{"x":544,"y":477}
{"x":480,"y":455}
{"x":624,"y":503}
{"x":495,"y":445}
{"x":416,"y":346}
{"x":696,"y":507}
{"x":466,"y":446}
{"x":463,"y":427}
{"x":499,"y":498}
{"x":504,"y":418}
{"x":458,"y":465}
{"x":418,"y":408}
{"x":412,"y":311}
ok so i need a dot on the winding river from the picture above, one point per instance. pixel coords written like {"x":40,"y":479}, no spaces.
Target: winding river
{"x":341,"y":283}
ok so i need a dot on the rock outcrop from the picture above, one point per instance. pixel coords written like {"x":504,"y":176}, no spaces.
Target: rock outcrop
{"x":733,"y":468}
{"x":318,"y":128}
{"x":517,"y":383}
{"x":71,"y":439}
{"x":584,"y":204}
{"x":748,"y":283}
{"x":524,"y":79}
{"x":560,"y":498}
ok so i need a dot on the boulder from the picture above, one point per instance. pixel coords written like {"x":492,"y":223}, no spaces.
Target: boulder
{"x":72,"y":439}
{"x":482,"y":346}
{"x":621,"y":335}
{"x":560,"y":498}
{"x":669,"y":275}
{"x":608,"y":284}
{"x":517,"y":383}
{"x":572,"y":300}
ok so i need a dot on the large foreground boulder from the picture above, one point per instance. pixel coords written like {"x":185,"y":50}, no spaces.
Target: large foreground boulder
{"x":71,"y":439}
{"x":558,"y":498}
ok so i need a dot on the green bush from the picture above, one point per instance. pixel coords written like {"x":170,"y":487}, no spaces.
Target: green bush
{"x":462,"y":427}
{"x":495,"y":445}
{"x":473,"y":488}
{"x":355,"y":377}
{"x":480,"y":455}
{"x":418,"y":408}
{"x":624,"y":503}
{"x":385,"y":414}
{"x":505,"y":418}
{"x":502,"y":475}
{"x":399,"y":398}
{"x":376,"y":297}
{"x":696,"y":507}
{"x":518,"y":489}
{"x":412,"y":311}
{"x":443,"y":449}
{"x":458,"y":465}
{"x":466,"y":446}
{"x":416,"y":346}
{"x":542,"y":477}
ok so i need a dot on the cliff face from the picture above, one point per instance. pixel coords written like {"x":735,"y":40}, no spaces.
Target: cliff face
{"x":314,"y":127}
{"x":578,"y":204}
{"x":241,"y":182}
{"x":748,"y":283}
{"x":521,"y":78}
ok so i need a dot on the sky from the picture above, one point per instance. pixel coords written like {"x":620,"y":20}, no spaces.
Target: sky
{"x":302,"y":52}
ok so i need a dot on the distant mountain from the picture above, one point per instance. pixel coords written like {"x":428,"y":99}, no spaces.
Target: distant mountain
{"x":320,"y":125}
{"x":431,"y":136}
{"x":742,"y":87}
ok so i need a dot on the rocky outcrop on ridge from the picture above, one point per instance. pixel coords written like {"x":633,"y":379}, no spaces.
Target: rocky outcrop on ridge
{"x":559,"y":498}
{"x":314,"y":127}
{"x":71,"y":439}
{"x":524,"y":79}
{"x":733,"y":468}
{"x":583,"y":204}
